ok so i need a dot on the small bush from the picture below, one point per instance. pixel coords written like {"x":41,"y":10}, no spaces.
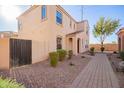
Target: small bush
{"x":114,"y":52}
{"x":53,"y":59}
{"x":82,"y":56}
{"x":70,"y":54}
{"x":62,"y":54}
{"x":118,"y":57}
{"x":7,"y":83}
{"x":122,"y":55}
{"x":102,"y":49}
{"x":92,"y":51}
{"x":71,"y":64}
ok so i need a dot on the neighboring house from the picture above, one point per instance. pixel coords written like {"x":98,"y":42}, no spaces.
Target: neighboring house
{"x":50,"y":28}
{"x":8,"y":34}
{"x":120,"y":34}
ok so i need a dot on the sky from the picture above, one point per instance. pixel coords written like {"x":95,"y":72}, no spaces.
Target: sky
{"x":8,"y":16}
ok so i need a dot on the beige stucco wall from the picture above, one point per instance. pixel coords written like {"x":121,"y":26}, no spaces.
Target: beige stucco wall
{"x":4,"y":53}
{"x":40,"y":32}
{"x":71,"y":45}
{"x":121,"y":36}
{"x":83,"y":35}
{"x":43,"y":33}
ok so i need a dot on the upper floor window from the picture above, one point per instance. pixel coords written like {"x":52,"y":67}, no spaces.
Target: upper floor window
{"x":58,"y":17}
{"x":87,"y":32}
{"x":19,"y":25}
{"x":43,"y":11}
{"x":74,"y":26}
{"x":70,"y":23}
{"x":86,"y":45}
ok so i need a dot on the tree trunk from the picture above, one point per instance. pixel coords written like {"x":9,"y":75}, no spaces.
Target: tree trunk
{"x":102,"y":45}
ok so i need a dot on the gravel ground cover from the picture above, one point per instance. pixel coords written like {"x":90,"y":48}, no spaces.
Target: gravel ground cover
{"x":120,"y":75}
{"x":43,"y":75}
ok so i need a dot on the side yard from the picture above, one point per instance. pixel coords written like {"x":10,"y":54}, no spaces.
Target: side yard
{"x":120,"y":75}
{"x":43,"y":75}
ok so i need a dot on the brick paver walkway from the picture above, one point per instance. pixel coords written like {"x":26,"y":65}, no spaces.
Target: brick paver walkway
{"x":98,"y":74}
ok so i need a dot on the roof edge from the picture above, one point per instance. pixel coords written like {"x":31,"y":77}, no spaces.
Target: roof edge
{"x":28,"y":10}
{"x":120,"y":30}
{"x":60,"y":7}
{"x":76,"y":32}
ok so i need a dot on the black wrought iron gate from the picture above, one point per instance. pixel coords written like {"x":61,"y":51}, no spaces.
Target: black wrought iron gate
{"x":20,"y":52}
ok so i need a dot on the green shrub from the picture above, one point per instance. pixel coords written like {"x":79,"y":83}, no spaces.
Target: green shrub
{"x":122,"y":55}
{"x":53,"y":59}
{"x":62,"y":54}
{"x":8,"y":83}
{"x":102,"y":49}
{"x":71,"y":64}
{"x":114,"y":52}
{"x":70,"y":54}
{"x":92,"y":51}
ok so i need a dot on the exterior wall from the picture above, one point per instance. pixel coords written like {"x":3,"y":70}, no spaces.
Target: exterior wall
{"x":73,"y":45}
{"x":121,"y":42}
{"x":8,"y":34}
{"x":43,"y":33}
{"x":65,"y":28}
{"x":83,"y":41}
{"x":4,"y":55}
{"x":84,"y":36}
{"x":40,"y":32}
{"x":108,"y":47}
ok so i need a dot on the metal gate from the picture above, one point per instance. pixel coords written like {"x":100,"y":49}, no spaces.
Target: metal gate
{"x":20,"y":52}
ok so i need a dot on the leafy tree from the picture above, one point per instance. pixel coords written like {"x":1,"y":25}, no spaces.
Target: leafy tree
{"x":104,"y":28}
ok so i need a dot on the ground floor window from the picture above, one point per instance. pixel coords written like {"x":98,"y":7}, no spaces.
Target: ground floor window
{"x":82,"y":43}
{"x":78,"y":45}
{"x":86,"y":45}
{"x":59,"y":43}
{"x":119,"y":40}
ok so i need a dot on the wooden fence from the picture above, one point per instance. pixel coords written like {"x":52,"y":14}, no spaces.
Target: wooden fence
{"x":20,"y":52}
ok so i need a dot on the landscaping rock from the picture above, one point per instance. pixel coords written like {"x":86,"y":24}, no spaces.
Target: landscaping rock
{"x":121,"y":65}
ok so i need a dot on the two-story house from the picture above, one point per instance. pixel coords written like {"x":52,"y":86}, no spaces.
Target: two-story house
{"x":50,"y":28}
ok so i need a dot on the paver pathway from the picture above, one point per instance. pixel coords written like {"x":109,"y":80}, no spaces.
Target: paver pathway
{"x":97,"y":74}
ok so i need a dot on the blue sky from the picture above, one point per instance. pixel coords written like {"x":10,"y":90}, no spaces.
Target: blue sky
{"x":90,"y":13}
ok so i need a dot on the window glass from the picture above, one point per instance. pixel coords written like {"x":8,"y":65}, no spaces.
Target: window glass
{"x":58,"y":17}
{"x":86,"y":46}
{"x":43,"y":11}
{"x":59,"y":43}
{"x":70,"y":23}
{"x":87,"y":32}
{"x":19,"y":25}
{"x":74,"y":26}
